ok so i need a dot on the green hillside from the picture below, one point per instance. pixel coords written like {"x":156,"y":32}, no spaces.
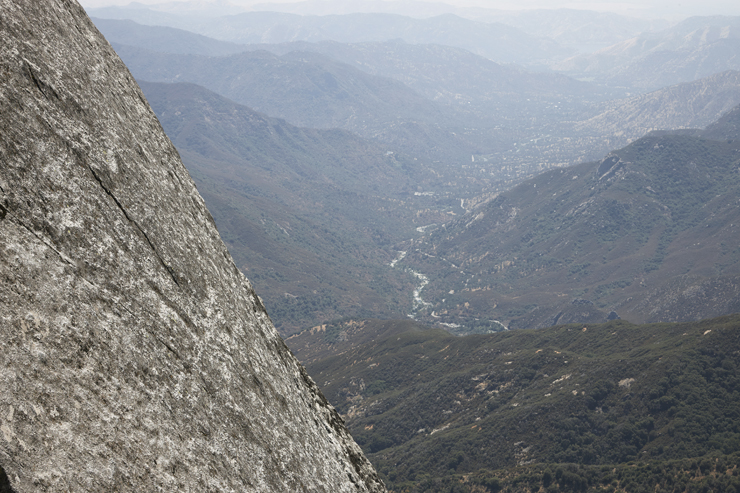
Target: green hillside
{"x":651,"y":232}
{"x":608,"y":407}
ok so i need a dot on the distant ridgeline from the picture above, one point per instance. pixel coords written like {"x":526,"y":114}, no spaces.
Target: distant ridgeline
{"x":609,"y":407}
{"x":651,"y":233}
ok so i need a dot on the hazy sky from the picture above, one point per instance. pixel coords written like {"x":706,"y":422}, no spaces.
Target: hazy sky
{"x":657,"y":8}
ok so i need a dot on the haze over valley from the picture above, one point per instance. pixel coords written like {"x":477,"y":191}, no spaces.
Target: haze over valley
{"x":449,"y":124}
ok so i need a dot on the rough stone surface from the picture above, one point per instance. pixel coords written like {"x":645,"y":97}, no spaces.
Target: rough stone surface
{"x":135,"y":356}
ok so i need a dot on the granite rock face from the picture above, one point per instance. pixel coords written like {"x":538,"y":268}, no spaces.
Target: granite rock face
{"x":134,"y":355}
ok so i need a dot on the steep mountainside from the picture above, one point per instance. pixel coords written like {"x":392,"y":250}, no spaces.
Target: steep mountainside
{"x":309,"y":215}
{"x":697,"y":47}
{"x":135,"y":355}
{"x":610,"y":407}
{"x":650,"y":232}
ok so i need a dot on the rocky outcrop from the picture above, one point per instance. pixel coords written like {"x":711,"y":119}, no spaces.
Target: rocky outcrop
{"x":135,"y":355}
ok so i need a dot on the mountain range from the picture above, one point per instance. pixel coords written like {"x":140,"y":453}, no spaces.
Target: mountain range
{"x":648,"y":233}
{"x":580,"y":30}
{"x":433,"y":70}
{"x":311,"y":90}
{"x":554,"y":120}
{"x":617,"y":51}
{"x":423,"y":180}
{"x":496,"y":41}
{"x":317,"y":91}
{"x":428,"y":69}
{"x":695,"y":48}
{"x":306,"y":89}
{"x":405,"y":95}
{"x":619,"y":122}
{"x":689,"y":105}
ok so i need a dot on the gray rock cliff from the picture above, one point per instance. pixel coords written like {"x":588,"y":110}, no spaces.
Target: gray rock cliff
{"x":134,"y":356}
